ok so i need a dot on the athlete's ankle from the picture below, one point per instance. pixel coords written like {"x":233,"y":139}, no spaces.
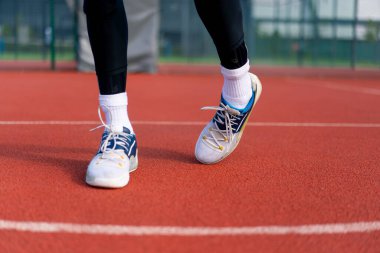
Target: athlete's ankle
{"x":115,"y":110}
{"x":237,"y":88}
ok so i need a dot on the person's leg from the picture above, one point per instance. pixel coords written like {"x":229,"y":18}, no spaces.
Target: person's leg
{"x":223,"y":20}
{"x":117,"y":154}
{"x":108,"y":33}
{"x":241,"y":89}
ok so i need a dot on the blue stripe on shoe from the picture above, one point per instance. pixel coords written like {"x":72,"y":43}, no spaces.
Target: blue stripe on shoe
{"x":247,"y":108}
{"x":240,"y":120}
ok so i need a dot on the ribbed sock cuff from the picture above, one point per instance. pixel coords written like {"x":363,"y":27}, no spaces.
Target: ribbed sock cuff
{"x":235,"y":73}
{"x":119,"y":99}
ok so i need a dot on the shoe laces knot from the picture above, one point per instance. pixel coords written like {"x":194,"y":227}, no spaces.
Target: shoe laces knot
{"x":112,"y":140}
{"x":225,"y":122}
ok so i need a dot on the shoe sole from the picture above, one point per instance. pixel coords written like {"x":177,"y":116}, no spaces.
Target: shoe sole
{"x":258,"y":89}
{"x":114,"y":183}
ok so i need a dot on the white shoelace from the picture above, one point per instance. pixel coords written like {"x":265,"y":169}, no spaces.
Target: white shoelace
{"x":227,"y":116}
{"x":119,"y":138}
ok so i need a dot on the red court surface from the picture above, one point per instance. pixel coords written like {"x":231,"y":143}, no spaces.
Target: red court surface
{"x":305,"y":177}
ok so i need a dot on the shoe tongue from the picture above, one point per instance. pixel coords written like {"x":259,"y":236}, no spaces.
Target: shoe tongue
{"x":231,"y":110}
{"x":220,"y":121}
{"x":117,"y":130}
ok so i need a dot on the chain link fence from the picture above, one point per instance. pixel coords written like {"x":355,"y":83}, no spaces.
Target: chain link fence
{"x":42,"y":32}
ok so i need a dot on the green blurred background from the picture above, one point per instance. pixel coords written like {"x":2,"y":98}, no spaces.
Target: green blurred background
{"x":330,"y":33}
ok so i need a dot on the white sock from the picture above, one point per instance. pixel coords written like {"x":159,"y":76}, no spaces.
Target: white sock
{"x":115,"y":109}
{"x":237,"y":88}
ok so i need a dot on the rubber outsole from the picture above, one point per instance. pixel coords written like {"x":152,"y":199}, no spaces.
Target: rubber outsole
{"x":114,"y":183}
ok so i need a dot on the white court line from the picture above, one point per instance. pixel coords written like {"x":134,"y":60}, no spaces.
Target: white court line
{"x":197,"y":123}
{"x":317,"y":229}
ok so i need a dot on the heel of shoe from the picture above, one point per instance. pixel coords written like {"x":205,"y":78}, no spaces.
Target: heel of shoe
{"x":133,"y":163}
{"x":258,"y":86}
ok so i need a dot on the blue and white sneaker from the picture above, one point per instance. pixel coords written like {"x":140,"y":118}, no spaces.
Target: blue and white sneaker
{"x":222,"y":134}
{"x":116,"y":158}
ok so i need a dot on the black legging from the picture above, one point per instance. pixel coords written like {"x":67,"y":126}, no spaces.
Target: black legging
{"x":224,"y":22}
{"x":108,"y":32}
